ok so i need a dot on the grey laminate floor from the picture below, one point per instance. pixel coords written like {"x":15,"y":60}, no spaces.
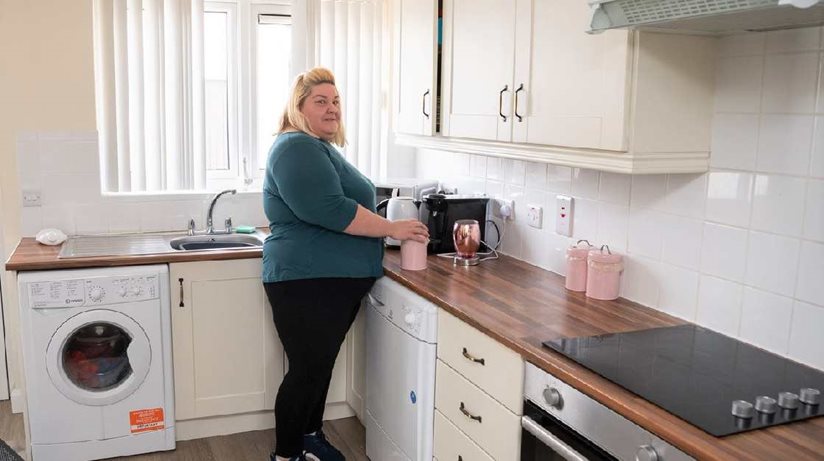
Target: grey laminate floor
{"x":346,"y":434}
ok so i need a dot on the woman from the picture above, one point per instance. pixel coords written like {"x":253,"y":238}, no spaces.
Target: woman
{"x":323,"y":255}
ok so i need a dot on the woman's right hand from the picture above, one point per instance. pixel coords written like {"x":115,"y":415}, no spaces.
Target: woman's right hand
{"x":408,"y":229}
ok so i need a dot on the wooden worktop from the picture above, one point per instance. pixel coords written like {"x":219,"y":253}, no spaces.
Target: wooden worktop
{"x":521,"y":306}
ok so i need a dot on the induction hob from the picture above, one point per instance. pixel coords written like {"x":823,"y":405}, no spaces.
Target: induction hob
{"x":696,"y":374}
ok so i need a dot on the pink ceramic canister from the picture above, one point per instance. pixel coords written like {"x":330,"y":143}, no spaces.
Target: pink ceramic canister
{"x":413,"y":255}
{"x":604,"y":274}
{"x":576,"y":266}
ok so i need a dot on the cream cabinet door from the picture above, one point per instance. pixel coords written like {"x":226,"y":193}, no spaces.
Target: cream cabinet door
{"x":570,"y":86}
{"x":227,"y":357}
{"x":478,"y":54}
{"x":415,"y":61}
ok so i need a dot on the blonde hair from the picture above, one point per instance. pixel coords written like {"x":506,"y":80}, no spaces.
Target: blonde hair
{"x":292,"y":118}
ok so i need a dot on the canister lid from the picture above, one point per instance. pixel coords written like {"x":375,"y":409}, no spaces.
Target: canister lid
{"x":579,"y":250}
{"x":604,"y":255}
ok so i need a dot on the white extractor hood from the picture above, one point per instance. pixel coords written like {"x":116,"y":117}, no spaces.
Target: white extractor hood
{"x":706,"y":16}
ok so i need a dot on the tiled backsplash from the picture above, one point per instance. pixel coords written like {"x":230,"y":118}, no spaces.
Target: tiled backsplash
{"x":65,"y":168}
{"x":739,"y":249}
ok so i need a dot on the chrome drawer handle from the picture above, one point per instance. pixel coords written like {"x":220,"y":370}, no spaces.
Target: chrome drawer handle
{"x":468,"y":414}
{"x":550,"y":440}
{"x":469,"y":356}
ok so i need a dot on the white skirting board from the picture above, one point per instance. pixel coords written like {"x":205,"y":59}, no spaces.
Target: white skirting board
{"x":257,"y":421}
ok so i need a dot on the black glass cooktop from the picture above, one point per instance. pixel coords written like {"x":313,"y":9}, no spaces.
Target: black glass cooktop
{"x":696,"y":374}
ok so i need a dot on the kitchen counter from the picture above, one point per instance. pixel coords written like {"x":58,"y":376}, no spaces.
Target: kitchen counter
{"x":521,"y":306}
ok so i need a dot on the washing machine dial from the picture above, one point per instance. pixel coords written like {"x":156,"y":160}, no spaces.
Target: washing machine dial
{"x":96,"y":293}
{"x":136,"y":290}
{"x":122,"y":292}
{"x":410,"y":318}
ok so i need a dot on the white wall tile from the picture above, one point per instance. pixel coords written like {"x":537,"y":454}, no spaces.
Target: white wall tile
{"x":585,"y":219}
{"x":645,"y":235}
{"x":804,"y":39}
{"x":494,"y":169}
{"x":28,"y":163}
{"x":124,"y":217}
{"x":819,"y":106}
{"x":59,"y":217}
{"x":557,"y":252}
{"x":559,"y":179}
{"x":513,"y":240}
{"x":729,"y":197}
{"x":536,"y":175}
{"x":495,"y":189}
{"x":648,"y":191}
{"x":461,"y":162}
{"x":738,"y":84}
{"x":615,"y":188}
{"x":724,"y":251}
{"x":514,"y":171}
{"x":69,"y":189}
{"x":679,"y":291}
{"x":817,"y":160}
{"x":784,"y":144}
{"x":686,"y":194}
{"x":719,"y":305}
{"x":612,"y":226}
{"x":477,"y":166}
{"x":681,"y":244}
{"x":778,"y":204}
{"x":31,"y":221}
{"x":640,"y":281}
{"x":516,"y":194}
{"x":810,"y":287}
{"x":536,"y":247}
{"x":746,"y":44}
{"x":734,"y":141}
{"x":585,"y":183}
{"x":69,"y":157}
{"x":790,"y":82}
{"x":90,"y":219}
{"x":771,"y":262}
{"x":765,"y":320}
{"x":814,"y":210}
{"x":806,"y":340}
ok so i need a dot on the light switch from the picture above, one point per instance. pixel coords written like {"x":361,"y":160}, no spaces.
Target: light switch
{"x":563,"y":215}
{"x":31,"y":197}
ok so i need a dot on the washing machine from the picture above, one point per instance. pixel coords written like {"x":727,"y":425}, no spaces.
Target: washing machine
{"x":98,"y":362}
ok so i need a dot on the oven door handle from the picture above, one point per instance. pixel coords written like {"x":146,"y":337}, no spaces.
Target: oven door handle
{"x":550,"y":440}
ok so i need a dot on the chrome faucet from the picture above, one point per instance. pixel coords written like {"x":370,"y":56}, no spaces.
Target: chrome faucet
{"x":209,"y":227}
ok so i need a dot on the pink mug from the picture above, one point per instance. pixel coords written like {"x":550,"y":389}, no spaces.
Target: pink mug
{"x":413,"y":255}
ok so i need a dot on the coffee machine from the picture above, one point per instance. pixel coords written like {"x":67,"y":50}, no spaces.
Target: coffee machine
{"x":439,"y":212}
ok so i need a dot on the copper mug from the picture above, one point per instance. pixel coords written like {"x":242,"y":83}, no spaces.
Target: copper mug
{"x":467,"y":237}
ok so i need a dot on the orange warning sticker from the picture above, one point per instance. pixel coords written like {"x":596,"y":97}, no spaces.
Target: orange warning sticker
{"x":150,"y":419}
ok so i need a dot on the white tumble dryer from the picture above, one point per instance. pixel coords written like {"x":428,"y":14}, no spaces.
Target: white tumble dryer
{"x":98,"y":362}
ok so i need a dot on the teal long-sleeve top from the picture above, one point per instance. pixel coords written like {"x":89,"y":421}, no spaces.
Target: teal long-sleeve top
{"x":310,"y":195}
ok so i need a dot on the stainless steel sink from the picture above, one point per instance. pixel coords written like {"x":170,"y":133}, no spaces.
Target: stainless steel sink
{"x":216,"y":242}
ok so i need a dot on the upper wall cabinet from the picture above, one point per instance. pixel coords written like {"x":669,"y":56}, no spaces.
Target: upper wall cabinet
{"x":415,"y":39}
{"x":522,"y":79}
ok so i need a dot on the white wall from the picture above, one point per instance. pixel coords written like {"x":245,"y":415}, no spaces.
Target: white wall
{"x":740,"y":249}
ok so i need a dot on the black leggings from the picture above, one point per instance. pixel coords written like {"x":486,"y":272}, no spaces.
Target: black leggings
{"x":312,"y":317}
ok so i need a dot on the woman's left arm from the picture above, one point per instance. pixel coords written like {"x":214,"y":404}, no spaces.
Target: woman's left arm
{"x":368,"y":224}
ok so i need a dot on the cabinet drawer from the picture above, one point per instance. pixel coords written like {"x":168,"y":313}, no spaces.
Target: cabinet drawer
{"x":452,"y":445}
{"x":494,"y":368}
{"x":488,"y":423}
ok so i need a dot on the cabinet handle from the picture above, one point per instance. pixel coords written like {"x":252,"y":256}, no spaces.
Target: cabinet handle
{"x":423,"y":104}
{"x":501,"y":102}
{"x":520,"y":88}
{"x":468,"y":414}
{"x":180,"y":280}
{"x":471,"y":357}
{"x":460,"y":458}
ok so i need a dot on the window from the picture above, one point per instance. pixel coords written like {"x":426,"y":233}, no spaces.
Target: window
{"x":189,"y":93}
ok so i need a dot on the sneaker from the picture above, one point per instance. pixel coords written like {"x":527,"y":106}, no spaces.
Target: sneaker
{"x":300,"y":457}
{"x":316,"y":446}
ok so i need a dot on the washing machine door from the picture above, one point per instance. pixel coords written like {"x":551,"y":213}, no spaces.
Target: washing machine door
{"x":98,"y":357}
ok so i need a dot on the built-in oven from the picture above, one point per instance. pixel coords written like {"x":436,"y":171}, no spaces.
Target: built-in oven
{"x":562,"y":423}
{"x":545,"y":438}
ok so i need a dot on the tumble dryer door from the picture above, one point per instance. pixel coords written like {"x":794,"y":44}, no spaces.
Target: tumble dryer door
{"x":98,"y":357}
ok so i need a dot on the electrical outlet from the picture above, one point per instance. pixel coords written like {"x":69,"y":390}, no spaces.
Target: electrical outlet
{"x":534,"y":215}
{"x":31,"y":197}
{"x":503,"y":209}
{"x":563,"y":215}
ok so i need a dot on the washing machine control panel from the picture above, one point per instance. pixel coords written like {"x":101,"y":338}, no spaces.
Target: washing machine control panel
{"x":93,"y":291}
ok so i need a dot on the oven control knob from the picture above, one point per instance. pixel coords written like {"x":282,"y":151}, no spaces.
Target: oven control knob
{"x":810,"y":396}
{"x":788,"y":400}
{"x":409,"y":318}
{"x":765,"y":404}
{"x":646,"y":453}
{"x":742,"y":409}
{"x":553,"y":397}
